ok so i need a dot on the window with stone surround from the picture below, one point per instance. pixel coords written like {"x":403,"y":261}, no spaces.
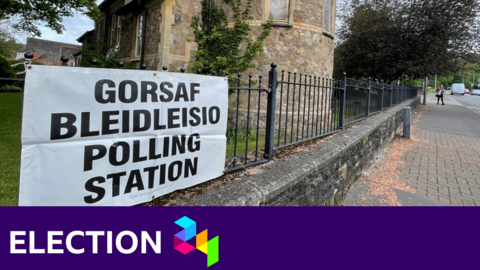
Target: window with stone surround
{"x":280,"y":11}
{"x":102,"y":33}
{"x":119,"y":28}
{"x":329,"y":10}
{"x":112,"y":34}
{"x":138,"y":42}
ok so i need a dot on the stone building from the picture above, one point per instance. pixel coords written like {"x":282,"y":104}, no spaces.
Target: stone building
{"x":158,"y":33}
{"x":49,"y":52}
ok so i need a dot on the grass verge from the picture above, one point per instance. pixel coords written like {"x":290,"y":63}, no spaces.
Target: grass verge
{"x":10,"y":128}
{"x":241,"y":147}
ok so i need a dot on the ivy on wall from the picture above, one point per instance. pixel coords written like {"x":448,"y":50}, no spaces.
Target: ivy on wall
{"x":226,"y":49}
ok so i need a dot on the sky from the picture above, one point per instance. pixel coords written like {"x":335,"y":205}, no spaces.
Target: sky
{"x":74,"y":28}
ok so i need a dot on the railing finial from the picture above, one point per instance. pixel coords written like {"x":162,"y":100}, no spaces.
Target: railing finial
{"x":64,"y":60}
{"x":94,"y":63}
{"x":28,"y":58}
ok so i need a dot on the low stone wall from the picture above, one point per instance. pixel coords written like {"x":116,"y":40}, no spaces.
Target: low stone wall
{"x":317,"y":175}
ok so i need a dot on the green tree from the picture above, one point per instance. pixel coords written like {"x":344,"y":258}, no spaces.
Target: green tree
{"x":446,"y":81}
{"x":220,"y":49}
{"x":8,"y":45}
{"x":6,"y":71}
{"x":468,"y":74}
{"x":396,"y":39}
{"x":27,"y":14}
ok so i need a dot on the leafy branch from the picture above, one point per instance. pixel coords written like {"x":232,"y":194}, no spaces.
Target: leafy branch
{"x":220,"y":49}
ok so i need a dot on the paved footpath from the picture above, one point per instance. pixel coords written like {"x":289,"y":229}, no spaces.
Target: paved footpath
{"x":445,"y":167}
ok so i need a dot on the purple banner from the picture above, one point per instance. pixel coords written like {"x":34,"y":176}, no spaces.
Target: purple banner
{"x":248,"y":238}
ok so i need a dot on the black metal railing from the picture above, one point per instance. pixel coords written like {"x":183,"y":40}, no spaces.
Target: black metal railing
{"x":399,"y":93}
{"x":246,"y":132}
{"x":308,"y":108}
{"x":376,"y":97}
{"x":356,"y":101}
{"x":266,"y":115}
{"x":395,"y":95}
{"x":387,"y":95}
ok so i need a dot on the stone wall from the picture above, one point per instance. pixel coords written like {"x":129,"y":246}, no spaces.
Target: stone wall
{"x":320,"y":175}
{"x":126,"y":40}
{"x":153,"y":34}
{"x":298,"y":50}
{"x":181,"y":47}
{"x":302,"y":47}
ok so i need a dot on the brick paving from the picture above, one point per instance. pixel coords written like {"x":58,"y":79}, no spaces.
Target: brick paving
{"x":445,"y":167}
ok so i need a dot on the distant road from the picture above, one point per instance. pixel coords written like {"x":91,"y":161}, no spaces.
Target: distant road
{"x":460,"y":115}
{"x":469,"y":101}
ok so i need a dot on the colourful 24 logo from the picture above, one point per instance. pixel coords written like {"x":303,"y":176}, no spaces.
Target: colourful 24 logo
{"x":209,"y":247}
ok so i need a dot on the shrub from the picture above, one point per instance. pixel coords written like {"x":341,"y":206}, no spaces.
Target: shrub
{"x":6,"y":70}
{"x":10,"y":88}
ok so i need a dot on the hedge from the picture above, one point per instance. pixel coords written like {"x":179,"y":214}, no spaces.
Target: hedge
{"x":6,"y":69}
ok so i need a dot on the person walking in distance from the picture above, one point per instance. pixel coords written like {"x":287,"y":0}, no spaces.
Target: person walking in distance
{"x":440,"y":91}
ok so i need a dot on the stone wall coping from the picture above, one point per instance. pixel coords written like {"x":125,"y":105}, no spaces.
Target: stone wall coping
{"x":271,"y":179}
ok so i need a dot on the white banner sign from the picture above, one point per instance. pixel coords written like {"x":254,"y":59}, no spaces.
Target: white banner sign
{"x":118,"y":137}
